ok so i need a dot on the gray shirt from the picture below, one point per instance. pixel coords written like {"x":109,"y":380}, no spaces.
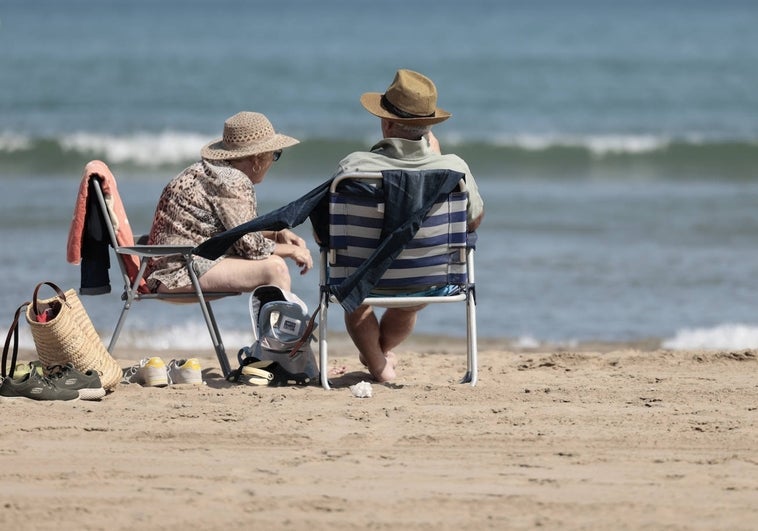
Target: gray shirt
{"x":402,"y":154}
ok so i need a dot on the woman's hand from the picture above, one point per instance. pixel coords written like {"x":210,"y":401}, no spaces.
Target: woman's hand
{"x":290,"y":245}
{"x":288,"y":237}
{"x":302,"y":257}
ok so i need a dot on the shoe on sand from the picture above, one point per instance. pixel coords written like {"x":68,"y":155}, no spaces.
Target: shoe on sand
{"x":21,"y":370}
{"x":185,"y":372}
{"x":150,"y":372}
{"x":35,"y":387}
{"x":87,"y":383}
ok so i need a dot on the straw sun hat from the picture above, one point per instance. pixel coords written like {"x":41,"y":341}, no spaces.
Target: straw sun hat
{"x":411,"y":98}
{"x":246,"y":133}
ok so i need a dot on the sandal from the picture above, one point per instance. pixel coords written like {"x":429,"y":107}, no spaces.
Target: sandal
{"x":279,"y":375}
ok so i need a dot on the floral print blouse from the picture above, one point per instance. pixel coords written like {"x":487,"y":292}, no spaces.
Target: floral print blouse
{"x":207,"y":198}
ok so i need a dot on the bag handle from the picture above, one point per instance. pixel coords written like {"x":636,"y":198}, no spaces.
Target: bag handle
{"x":12,"y":332}
{"x":35,"y":296}
{"x":306,"y":335}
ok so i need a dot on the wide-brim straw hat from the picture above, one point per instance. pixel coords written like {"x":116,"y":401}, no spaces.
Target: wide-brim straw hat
{"x":245,"y":134}
{"x":411,"y":98}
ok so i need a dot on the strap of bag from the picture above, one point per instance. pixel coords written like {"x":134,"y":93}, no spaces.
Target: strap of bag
{"x":306,"y":335}
{"x":58,"y":291}
{"x":12,"y":332}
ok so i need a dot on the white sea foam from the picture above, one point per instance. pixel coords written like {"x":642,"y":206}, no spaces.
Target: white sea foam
{"x":602,"y":145}
{"x":526,"y":342}
{"x":531,"y":342}
{"x":187,"y":336}
{"x":598,"y":145}
{"x":193,"y":336}
{"x":725,"y":336}
{"x":10,"y":142}
{"x":148,"y":149}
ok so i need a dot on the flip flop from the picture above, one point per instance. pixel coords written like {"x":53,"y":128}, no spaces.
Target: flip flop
{"x":255,"y":376}
{"x":247,"y":373}
{"x":280,"y":375}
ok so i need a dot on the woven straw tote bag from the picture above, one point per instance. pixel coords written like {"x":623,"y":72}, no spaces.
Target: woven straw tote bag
{"x":67,"y":335}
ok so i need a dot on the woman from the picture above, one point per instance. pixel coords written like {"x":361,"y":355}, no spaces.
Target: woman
{"x":218,"y":193}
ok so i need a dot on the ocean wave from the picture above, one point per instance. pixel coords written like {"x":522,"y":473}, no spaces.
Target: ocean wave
{"x":143,"y":149}
{"x":10,"y":142}
{"x":188,"y":336}
{"x":526,"y":154}
{"x":597,"y":145}
{"x":184,"y":337}
{"x":726,"y":336}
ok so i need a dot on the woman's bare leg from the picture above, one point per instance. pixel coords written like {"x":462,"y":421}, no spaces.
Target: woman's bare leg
{"x":240,"y":274}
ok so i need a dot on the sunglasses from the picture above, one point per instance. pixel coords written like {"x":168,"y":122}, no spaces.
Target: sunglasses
{"x":277,"y":154}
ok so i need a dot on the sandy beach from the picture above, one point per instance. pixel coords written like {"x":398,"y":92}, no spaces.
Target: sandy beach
{"x":601,"y":437}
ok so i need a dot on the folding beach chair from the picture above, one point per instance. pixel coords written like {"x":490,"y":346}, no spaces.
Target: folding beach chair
{"x":133,"y":260}
{"x":440,"y":255}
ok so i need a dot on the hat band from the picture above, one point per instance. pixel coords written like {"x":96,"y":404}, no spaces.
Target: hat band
{"x":387,"y":105}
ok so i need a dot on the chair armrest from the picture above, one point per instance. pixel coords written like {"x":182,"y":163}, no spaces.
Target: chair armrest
{"x":156,"y":250}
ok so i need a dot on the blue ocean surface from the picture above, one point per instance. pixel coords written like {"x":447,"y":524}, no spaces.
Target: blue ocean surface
{"x":615,"y":146}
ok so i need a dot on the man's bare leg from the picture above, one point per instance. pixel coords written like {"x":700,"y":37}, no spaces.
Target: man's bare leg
{"x":363,"y":328}
{"x":396,"y":325}
{"x":376,"y":340}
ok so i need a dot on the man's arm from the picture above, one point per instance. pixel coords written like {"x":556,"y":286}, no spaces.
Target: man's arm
{"x":474,"y":224}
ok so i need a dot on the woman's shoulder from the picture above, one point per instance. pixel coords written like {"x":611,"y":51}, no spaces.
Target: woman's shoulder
{"x":186,"y":179}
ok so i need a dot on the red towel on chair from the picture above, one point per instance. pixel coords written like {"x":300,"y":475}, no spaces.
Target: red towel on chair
{"x":124,"y":234}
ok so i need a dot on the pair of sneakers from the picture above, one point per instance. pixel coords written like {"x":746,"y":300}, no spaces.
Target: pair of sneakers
{"x":58,"y":382}
{"x":153,"y":372}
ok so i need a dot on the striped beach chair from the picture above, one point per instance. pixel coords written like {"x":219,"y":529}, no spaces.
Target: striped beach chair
{"x":436,"y":266}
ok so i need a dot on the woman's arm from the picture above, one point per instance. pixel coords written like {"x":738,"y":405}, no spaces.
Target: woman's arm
{"x":290,"y":245}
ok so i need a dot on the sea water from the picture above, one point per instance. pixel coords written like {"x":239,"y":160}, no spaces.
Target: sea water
{"x":615,"y":146}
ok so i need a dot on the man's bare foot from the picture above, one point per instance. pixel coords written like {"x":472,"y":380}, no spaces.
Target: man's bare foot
{"x":387,"y":373}
{"x":390,"y":357}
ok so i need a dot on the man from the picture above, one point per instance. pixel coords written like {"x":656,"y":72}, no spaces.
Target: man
{"x":408,"y":110}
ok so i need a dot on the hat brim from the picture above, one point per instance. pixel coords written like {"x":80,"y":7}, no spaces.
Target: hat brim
{"x":371,"y":101}
{"x":218,"y":150}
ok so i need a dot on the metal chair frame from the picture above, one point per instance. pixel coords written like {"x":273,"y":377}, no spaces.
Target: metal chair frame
{"x":467,"y":295}
{"x":131,"y":285}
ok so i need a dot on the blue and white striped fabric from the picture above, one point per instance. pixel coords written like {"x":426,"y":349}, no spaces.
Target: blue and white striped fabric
{"x":435,"y":257}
